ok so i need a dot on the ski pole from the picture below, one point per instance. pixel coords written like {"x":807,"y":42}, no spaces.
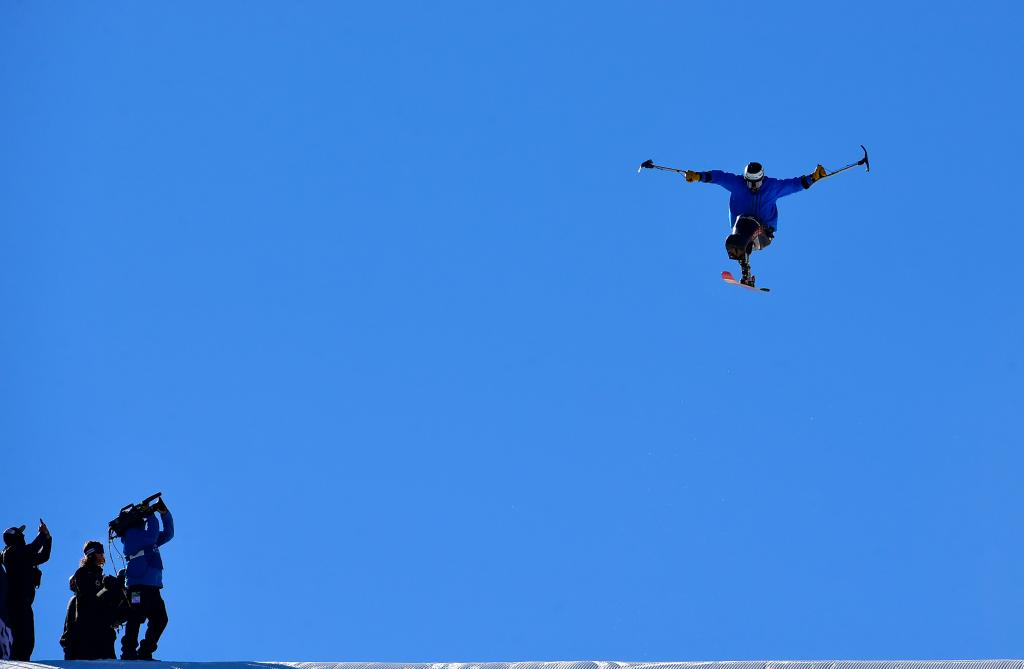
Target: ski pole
{"x":649,"y":164}
{"x":863,"y":161}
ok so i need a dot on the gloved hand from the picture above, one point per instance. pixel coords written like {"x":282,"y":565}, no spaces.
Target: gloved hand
{"x":818,"y":173}
{"x":692,"y":176}
{"x":43,"y":529}
{"x":161,"y":506}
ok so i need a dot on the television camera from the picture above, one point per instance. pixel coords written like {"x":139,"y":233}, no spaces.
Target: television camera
{"x":134,"y":515}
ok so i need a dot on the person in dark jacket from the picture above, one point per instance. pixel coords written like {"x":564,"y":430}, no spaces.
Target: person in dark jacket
{"x":23,"y":577}
{"x":5,"y":632}
{"x":144,"y":580}
{"x":94,"y":611}
{"x":67,"y":637}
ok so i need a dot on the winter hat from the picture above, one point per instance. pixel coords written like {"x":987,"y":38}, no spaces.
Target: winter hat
{"x":91,"y":547}
{"x":11,"y":532}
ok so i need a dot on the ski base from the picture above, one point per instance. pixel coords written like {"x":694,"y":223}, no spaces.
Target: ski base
{"x":728,"y":278}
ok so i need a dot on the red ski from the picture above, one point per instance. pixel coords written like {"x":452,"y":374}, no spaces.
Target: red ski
{"x":727,"y":276}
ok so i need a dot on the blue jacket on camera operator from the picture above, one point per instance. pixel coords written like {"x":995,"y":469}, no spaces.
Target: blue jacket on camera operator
{"x":142,"y":549}
{"x":144,"y":578}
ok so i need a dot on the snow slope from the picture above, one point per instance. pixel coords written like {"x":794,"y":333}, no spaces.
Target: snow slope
{"x":826,"y":664}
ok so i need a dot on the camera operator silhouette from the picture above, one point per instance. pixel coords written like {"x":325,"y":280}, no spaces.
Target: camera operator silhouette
{"x":142,"y":537}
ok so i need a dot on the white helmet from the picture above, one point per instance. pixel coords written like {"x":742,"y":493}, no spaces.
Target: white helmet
{"x":753,"y":173}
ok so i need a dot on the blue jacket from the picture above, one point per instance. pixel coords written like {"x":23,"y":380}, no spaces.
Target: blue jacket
{"x":142,"y":550}
{"x":760,"y":204}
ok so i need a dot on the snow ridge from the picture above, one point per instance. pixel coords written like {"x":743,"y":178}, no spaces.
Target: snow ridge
{"x":824,"y":664}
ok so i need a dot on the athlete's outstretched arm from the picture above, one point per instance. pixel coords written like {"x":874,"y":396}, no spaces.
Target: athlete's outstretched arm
{"x":726,"y":180}
{"x":797,"y":184}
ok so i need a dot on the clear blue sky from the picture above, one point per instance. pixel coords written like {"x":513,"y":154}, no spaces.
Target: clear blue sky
{"x":374,"y":294}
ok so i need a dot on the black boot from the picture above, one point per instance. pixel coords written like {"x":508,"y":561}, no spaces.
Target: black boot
{"x":748,"y":278}
{"x":146,"y":649}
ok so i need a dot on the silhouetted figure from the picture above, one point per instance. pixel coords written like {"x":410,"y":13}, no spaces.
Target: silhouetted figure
{"x":98,"y":607}
{"x":5,"y":632}
{"x":144,"y":580}
{"x":23,"y":577}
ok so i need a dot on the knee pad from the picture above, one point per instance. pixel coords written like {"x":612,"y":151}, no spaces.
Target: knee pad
{"x":740,"y":243}
{"x":736,"y":246}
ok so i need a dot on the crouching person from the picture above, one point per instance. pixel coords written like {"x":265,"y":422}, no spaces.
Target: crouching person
{"x":98,"y":607}
{"x":144,"y":580}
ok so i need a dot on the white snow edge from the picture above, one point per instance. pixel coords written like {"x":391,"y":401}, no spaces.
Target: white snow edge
{"x":767,"y":664}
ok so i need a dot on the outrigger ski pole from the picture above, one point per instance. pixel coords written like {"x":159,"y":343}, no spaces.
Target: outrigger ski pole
{"x":863,"y":161}
{"x":649,"y":164}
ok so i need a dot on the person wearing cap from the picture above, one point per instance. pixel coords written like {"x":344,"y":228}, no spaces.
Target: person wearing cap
{"x":92,"y":615}
{"x":752,"y":209}
{"x":22,"y":562}
{"x":144,"y":580}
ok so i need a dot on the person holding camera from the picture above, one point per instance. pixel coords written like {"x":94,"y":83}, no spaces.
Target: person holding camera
{"x":23,"y":577}
{"x":98,"y":607}
{"x":144,"y":580}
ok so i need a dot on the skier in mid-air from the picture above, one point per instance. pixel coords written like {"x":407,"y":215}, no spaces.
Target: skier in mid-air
{"x":752,"y":209}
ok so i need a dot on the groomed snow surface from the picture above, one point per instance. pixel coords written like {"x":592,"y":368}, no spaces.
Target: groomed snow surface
{"x":825,"y":664}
